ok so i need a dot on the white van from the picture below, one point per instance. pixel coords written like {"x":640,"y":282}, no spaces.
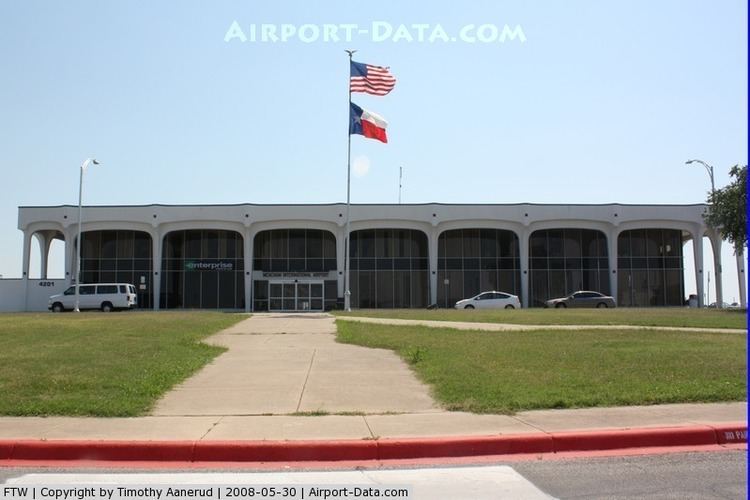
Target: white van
{"x":104,"y":296}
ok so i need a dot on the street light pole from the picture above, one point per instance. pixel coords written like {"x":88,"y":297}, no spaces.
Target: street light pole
{"x":709,"y":169}
{"x":84,"y":165}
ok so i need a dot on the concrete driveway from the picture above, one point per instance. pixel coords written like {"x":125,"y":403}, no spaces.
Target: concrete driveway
{"x":290,"y":363}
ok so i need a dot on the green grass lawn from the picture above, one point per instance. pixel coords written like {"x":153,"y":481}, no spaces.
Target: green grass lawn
{"x":115,"y":364}
{"x":679,"y":317}
{"x":504,"y":372}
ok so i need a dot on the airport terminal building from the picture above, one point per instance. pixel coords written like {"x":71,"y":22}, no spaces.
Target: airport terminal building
{"x":291,"y":257}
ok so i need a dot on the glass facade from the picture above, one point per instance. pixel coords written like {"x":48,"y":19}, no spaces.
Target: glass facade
{"x":296,"y":269}
{"x":650,"y":268}
{"x":203,"y":269}
{"x":389,"y":268}
{"x":477,"y":260}
{"x":294,"y":251}
{"x":118,"y":257}
{"x":562,"y":261}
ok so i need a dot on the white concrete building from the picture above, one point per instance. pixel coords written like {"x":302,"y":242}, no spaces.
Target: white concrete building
{"x":291,"y":257}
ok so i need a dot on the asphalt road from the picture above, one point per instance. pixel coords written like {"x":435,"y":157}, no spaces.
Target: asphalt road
{"x":698,"y":475}
{"x":706,"y":475}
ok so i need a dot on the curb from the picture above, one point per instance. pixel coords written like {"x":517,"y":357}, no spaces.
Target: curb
{"x":381,"y":449}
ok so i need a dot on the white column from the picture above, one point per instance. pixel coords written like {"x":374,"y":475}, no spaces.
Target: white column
{"x":340,"y":260}
{"x":156,"y":251}
{"x":26,"y":254}
{"x":523,"y":249}
{"x":698,"y":262}
{"x":249,"y":238}
{"x":716,"y":246}
{"x":612,"y":252}
{"x":740,"y":256}
{"x":25,"y":271}
{"x":433,"y":257}
{"x":44,"y":242}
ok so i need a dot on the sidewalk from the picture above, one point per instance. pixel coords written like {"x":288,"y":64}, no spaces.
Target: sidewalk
{"x":359,"y":440}
{"x":291,"y":363}
{"x":369,"y":426}
{"x":504,"y":327}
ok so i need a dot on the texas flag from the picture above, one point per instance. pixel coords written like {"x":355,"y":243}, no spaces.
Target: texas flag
{"x":367,"y":123}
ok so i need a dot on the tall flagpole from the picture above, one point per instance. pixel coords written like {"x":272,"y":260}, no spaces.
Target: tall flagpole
{"x":347,"y":292}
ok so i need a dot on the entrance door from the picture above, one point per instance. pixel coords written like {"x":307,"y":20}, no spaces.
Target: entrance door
{"x":303,"y":296}
{"x":316,"y":296}
{"x":285,"y":296}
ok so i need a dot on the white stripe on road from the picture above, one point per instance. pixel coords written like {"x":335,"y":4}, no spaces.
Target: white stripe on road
{"x":484,"y":482}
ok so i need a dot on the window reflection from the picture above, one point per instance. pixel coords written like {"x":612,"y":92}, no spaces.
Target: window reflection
{"x":650,"y":268}
{"x":118,"y":256}
{"x":203,"y":269}
{"x":389,"y":268}
{"x":476,"y":260}
{"x":566,"y":260}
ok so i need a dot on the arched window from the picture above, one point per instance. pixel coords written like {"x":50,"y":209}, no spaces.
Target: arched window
{"x":477,"y":260}
{"x":389,"y":268}
{"x":203,"y":269}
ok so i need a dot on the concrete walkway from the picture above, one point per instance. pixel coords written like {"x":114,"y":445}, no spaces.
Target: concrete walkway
{"x":405,"y":425}
{"x":290,"y":363}
{"x":505,"y":327}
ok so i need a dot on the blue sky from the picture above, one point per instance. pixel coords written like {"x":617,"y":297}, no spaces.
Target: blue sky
{"x":603,"y":102}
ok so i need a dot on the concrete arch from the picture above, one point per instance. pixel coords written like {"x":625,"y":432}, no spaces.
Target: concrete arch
{"x":515,"y":227}
{"x":259,"y":227}
{"x":363,"y":225}
{"x":582,"y":274}
{"x":43,"y":233}
{"x":271,"y":225}
{"x":419,"y":230}
{"x":604,"y":227}
{"x":661,"y":277}
{"x":170,"y":227}
{"x":492,"y":278}
{"x":660,"y":224}
{"x":41,"y":241}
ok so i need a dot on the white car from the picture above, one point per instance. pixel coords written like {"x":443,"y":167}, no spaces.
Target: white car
{"x":490,"y":300}
{"x":104,"y":296}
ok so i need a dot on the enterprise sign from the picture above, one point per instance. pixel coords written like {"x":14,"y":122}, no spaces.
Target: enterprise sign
{"x":196,"y":265}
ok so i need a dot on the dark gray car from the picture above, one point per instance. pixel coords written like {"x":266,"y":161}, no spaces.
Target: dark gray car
{"x":583,"y":298}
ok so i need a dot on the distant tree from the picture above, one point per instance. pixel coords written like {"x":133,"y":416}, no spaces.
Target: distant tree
{"x":727,"y":209}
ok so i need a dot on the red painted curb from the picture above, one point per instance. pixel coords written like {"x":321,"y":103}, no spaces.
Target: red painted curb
{"x":6,"y":450}
{"x":731,"y":433}
{"x":370,"y":450}
{"x":389,"y":449}
{"x":181,"y":451}
{"x":637,"y":438}
{"x":284,"y":451}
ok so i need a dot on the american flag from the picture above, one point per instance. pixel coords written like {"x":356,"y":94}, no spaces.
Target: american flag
{"x":369,"y":79}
